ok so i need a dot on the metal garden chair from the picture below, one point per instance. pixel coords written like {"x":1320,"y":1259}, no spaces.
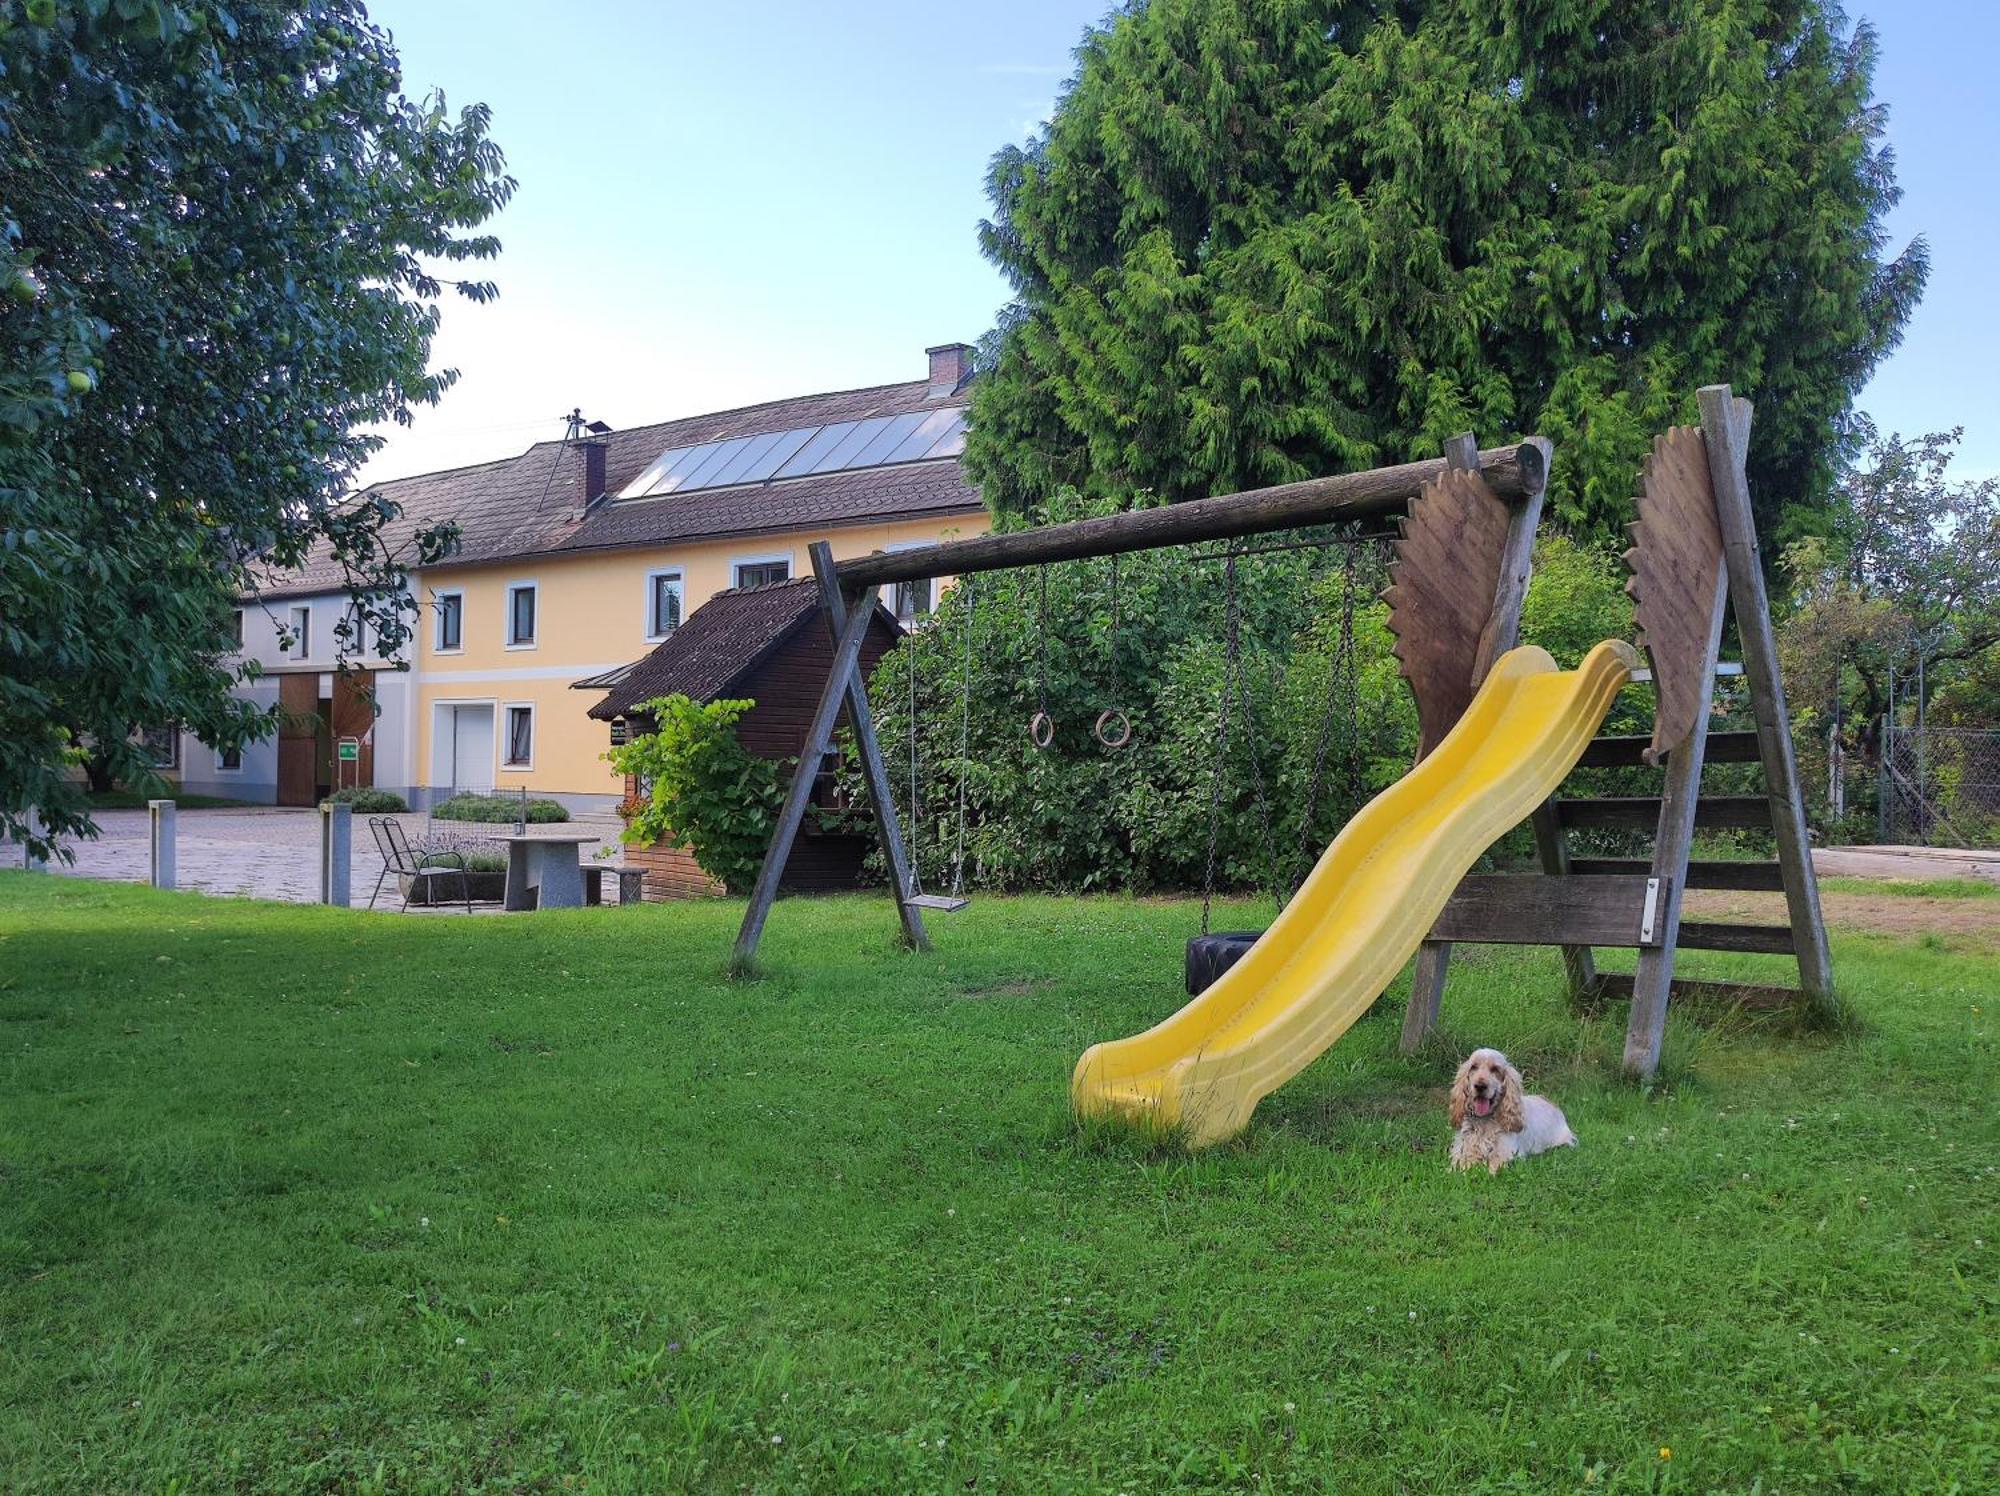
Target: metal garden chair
{"x":422,"y":866}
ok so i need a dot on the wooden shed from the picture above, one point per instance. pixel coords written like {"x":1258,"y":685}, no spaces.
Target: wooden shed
{"x":768,"y":645}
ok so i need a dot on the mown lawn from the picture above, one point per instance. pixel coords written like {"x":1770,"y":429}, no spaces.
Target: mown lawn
{"x":299,"y":1199}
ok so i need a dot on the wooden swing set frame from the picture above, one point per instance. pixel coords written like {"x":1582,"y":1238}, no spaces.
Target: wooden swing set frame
{"x":1467,"y":523}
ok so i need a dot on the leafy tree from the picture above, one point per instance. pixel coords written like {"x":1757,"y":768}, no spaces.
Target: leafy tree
{"x":220,"y":228}
{"x":1910,"y":566}
{"x":1265,"y":239}
{"x":705,"y":792}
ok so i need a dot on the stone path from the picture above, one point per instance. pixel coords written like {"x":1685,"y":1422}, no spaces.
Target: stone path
{"x":272,"y":853}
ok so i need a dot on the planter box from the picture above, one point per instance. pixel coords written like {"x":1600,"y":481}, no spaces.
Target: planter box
{"x":487,"y":888}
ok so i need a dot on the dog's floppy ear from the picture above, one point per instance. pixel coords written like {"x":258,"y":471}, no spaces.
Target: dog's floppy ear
{"x":1509,"y":1113}
{"x":1461,"y":1094}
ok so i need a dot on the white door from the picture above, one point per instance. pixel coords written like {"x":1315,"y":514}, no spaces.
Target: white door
{"x":472,"y":748}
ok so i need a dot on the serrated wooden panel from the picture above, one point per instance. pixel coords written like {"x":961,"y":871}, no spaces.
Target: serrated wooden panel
{"x":1676,"y":566}
{"x":1440,"y":595}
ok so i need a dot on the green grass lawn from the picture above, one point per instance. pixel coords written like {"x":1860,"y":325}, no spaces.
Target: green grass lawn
{"x":302,"y":1199}
{"x":139,"y":800}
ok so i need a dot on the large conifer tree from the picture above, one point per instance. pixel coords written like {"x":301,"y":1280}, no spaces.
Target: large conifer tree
{"x":1263,"y":239}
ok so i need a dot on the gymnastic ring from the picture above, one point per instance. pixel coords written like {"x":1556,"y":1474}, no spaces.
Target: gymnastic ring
{"x":1041,"y":730}
{"x":1124,"y":728}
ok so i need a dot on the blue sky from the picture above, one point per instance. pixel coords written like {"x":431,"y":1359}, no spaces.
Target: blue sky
{"x":721,"y":204}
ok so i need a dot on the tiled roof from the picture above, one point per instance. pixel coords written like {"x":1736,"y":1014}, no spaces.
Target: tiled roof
{"x":722,"y":642}
{"x":526,"y":505}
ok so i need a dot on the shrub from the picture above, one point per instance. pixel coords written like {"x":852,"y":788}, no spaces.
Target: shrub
{"x":369,"y":801}
{"x":498,"y":810}
{"x":710,"y":794}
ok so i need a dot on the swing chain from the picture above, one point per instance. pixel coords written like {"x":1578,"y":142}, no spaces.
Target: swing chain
{"x":964,"y":744}
{"x":1220,"y":761}
{"x":1105,"y":733}
{"x":1042,"y":728}
{"x":1340,"y":691}
{"x":916,"y":887}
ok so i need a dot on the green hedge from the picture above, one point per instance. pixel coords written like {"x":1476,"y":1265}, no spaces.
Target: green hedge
{"x":370,"y":801}
{"x":498,"y":810}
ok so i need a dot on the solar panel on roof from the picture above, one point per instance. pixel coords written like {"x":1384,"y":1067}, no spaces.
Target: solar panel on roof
{"x":823,"y":441}
{"x":765,"y":455}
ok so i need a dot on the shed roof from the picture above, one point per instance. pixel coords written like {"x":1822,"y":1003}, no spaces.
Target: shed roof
{"x":717,"y":649}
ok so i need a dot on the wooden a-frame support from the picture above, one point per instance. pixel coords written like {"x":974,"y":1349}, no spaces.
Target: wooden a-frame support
{"x":1695,"y":554}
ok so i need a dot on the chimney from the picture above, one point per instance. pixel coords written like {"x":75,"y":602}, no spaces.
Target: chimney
{"x":951,"y":366}
{"x":590,"y":454}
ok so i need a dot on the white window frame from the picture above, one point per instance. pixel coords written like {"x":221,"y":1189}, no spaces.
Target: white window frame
{"x":438,"y":646}
{"x":505,"y":738}
{"x":507,"y":621}
{"x":301,"y":645}
{"x":241,"y":625}
{"x":896,"y":589}
{"x":223,"y":768}
{"x":737,"y":563}
{"x":652,"y":582}
{"x":357,"y":631}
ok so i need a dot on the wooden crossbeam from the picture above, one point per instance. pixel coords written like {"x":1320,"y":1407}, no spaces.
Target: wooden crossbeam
{"x":1769,"y":940}
{"x":1539,"y":909}
{"x":1628,"y":752}
{"x":1641,"y":812}
{"x":1765,"y":877}
{"x":1512,"y":473}
{"x":1617,"y":985}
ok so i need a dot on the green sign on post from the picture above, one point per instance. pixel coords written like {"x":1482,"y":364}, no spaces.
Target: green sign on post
{"x":350,"y":750}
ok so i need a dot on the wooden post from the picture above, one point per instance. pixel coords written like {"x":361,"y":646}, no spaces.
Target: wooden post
{"x":1652,"y":979}
{"x":861,"y":717}
{"x":846,"y":656}
{"x":1727,"y":422}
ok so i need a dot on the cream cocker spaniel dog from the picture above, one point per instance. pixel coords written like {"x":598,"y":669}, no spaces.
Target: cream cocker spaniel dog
{"x":1496,"y":1121}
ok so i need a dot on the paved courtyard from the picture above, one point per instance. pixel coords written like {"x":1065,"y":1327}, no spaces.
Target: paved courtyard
{"x":273,"y":853}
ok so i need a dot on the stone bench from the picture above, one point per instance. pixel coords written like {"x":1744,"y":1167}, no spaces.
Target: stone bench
{"x":631,"y":883}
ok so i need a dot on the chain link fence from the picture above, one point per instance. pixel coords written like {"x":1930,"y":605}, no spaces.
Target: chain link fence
{"x":1940,"y":787}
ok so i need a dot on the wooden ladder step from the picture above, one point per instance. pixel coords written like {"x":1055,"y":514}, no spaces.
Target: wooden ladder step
{"x":1618,"y":752}
{"x":1763,"y":877}
{"x":1767,"y":940}
{"x":1642,"y":812}
{"x":1617,"y":986}
{"x":1549,"y":909}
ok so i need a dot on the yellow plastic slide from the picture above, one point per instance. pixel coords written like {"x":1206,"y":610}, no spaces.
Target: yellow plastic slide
{"x":1365,"y":908}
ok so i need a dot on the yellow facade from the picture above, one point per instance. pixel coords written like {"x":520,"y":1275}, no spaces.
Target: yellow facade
{"x":592,"y":614}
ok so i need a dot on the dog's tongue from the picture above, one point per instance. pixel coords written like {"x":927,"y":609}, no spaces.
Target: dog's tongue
{"x":1482,"y":1106}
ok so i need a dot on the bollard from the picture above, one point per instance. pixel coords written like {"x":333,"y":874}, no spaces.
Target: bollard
{"x":30,"y":862}
{"x":162,"y":812}
{"x":336,"y":853}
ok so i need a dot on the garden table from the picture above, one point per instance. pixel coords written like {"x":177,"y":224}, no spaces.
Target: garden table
{"x":544,"y":872}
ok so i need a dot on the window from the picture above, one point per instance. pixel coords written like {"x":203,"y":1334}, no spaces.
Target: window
{"x":910,"y":601}
{"x":239,"y":628}
{"x":162,"y":746}
{"x":521,"y":616}
{"x":229,"y":760}
{"x":450,"y":622}
{"x":357,"y":630}
{"x":520,"y":738}
{"x":663,"y":603}
{"x":763,"y":572}
{"x":301,"y":632}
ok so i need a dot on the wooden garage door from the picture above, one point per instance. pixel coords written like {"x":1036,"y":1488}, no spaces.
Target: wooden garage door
{"x":298,"y":738}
